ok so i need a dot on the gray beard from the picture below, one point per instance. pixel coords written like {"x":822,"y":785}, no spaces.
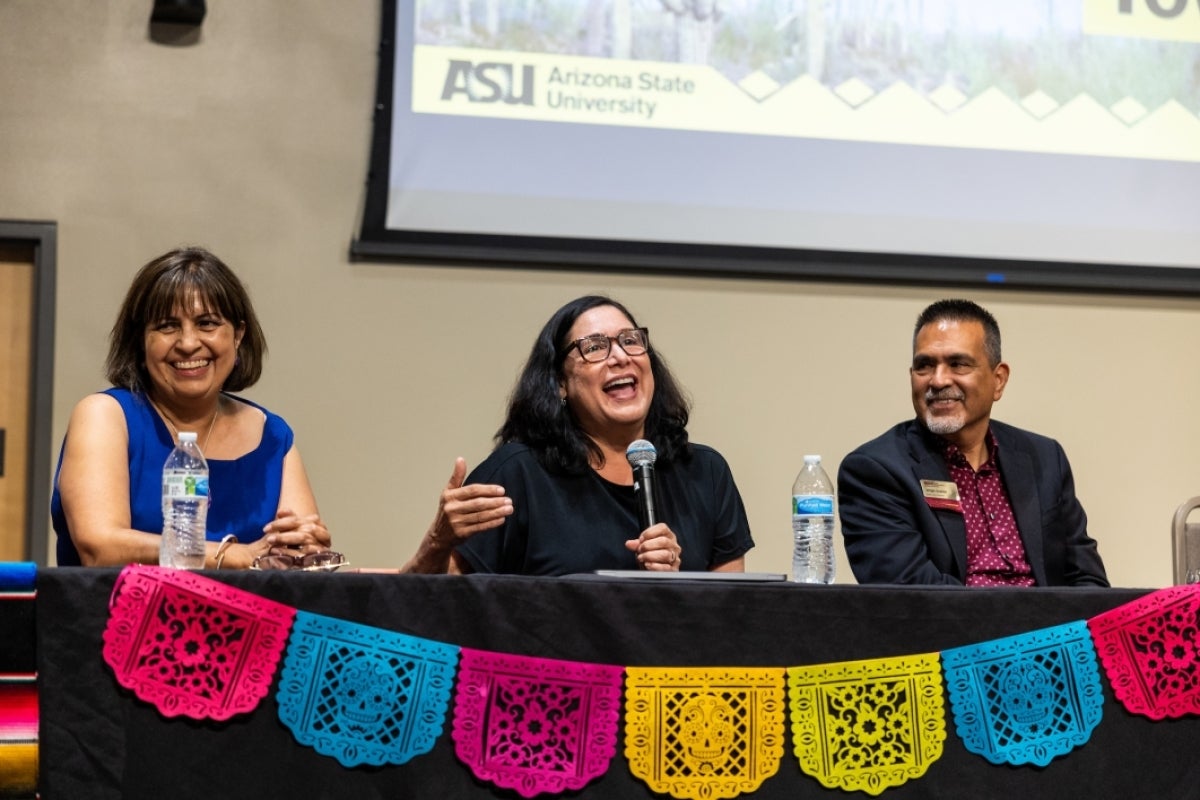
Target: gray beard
{"x":943,"y":426}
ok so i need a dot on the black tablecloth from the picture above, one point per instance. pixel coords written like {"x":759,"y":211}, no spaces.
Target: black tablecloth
{"x":99,"y":741}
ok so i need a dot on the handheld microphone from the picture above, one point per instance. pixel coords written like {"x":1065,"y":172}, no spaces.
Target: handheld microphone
{"x":641,"y":456}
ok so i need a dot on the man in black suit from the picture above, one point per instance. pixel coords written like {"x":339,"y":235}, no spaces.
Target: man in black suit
{"x":954,"y":497}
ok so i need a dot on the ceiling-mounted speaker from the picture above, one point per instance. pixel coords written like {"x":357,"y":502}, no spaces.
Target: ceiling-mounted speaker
{"x":179,"y":12}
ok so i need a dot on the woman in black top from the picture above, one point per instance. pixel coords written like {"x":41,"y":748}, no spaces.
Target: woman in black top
{"x":557,"y":497}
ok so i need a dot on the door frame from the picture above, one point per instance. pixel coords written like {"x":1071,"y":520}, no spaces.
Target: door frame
{"x":43,"y":237}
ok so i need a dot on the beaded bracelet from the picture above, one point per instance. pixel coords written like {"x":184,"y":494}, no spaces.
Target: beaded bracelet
{"x":224,"y":547}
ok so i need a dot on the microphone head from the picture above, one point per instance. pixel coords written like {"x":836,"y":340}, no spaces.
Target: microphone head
{"x":641,"y":453}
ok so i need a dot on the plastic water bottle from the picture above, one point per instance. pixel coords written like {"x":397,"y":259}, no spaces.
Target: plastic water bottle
{"x":184,"y":505}
{"x":812,"y":524}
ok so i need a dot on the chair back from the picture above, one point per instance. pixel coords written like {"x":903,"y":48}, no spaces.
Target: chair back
{"x":1185,"y":544}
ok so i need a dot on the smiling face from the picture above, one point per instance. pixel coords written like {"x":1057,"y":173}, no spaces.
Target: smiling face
{"x":953,"y":385}
{"x":190,"y":353}
{"x":610,"y":398}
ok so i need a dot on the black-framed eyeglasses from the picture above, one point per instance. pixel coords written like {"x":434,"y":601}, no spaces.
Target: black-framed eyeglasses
{"x":321,"y":561}
{"x":595,"y":348}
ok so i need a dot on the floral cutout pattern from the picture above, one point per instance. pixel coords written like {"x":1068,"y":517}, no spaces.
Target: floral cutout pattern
{"x":192,"y":646}
{"x":704,"y":732}
{"x":364,"y":695}
{"x":534,"y":724}
{"x":868,"y":725}
{"x":1027,"y":698}
{"x":196,"y":647}
{"x":1150,"y":649}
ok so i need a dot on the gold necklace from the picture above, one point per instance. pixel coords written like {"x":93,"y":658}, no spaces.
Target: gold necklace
{"x":175,"y":429}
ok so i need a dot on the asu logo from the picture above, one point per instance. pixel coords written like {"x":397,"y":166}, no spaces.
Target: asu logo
{"x":489,"y":82}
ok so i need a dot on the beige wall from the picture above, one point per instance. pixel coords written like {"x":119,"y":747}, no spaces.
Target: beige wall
{"x":254,"y":143}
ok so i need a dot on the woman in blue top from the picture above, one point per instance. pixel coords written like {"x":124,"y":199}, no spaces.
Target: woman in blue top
{"x":185,"y":336}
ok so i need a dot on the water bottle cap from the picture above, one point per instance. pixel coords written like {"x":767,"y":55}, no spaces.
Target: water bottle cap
{"x":807,"y":459}
{"x":187,"y":436}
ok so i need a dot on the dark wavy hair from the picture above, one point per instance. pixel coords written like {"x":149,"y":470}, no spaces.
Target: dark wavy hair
{"x":956,"y":310}
{"x":538,"y":419}
{"x":175,"y":278}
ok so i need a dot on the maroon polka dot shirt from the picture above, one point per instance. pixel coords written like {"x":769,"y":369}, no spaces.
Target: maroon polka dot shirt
{"x":995,"y":552}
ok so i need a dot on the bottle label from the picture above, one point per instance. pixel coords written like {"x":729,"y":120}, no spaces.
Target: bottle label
{"x":178,"y":483}
{"x":807,"y":505}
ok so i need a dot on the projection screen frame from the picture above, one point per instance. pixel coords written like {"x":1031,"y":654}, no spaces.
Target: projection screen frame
{"x":378,"y":243}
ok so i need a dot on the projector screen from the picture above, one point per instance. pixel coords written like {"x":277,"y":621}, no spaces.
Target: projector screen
{"x":1033,"y":143}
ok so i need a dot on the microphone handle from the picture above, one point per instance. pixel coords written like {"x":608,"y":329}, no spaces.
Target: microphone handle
{"x":645,"y":492}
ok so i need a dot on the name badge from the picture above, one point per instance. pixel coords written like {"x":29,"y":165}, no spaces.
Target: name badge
{"x":941,"y":494}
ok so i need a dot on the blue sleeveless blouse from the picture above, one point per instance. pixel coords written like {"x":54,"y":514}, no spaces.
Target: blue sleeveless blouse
{"x":244,"y":491}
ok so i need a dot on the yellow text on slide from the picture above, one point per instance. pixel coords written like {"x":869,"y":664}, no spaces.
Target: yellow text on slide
{"x":1173,"y":20}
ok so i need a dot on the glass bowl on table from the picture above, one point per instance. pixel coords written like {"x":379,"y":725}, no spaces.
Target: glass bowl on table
{"x":321,"y":561}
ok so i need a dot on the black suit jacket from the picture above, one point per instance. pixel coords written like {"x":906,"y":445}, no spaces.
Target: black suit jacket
{"x":892,"y":535}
